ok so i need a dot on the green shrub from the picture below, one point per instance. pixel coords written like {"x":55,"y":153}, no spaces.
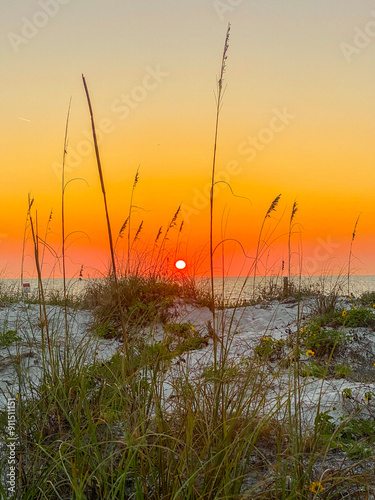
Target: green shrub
{"x":357,"y":429}
{"x":357,"y":438}
{"x":182,"y":337}
{"x":322,"y":342}
{"x":356,"y":318}
{"x":323,"y":424}
{"x":8,"y":338}
{"x":179,"y":330}
{"x":367,"y":299}
{"x":143,"y":300}
{"x":331,"y":318}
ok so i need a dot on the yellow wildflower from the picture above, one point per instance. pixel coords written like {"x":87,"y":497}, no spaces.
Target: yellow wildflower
{"x":344,"y":313}
{"x":192,"y":327}
{"x":310,"y":353}
{"x":316,"y":487}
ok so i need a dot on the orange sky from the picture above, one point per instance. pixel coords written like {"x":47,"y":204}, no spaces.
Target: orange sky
{"x":297,"y":119}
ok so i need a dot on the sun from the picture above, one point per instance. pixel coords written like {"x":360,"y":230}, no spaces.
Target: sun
{"x":180,"y":264}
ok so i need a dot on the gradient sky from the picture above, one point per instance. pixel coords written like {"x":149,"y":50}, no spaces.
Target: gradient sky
{"x":310,"y":62}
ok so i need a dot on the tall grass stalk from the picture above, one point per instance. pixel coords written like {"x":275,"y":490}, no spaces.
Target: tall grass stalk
{"x":219,"y":99}
{"x":160,"y":259}
{"x":44,"y":324}
{"x":63,"y":188}
{"x":271,"y":209}
{"x":351,"y":250}
{"x":294,"y":211}
{"x":136,"y":178}
{"x":29,"y":205}
{"x":112,"y":250}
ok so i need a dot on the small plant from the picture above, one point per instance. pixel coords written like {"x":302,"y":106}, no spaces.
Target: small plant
{"x":270,"y":348}
{"x":322,"y":342}
{"x":313,"y":369}
{"x":8,"y":338}
{"x":358,"y":451}
{"x":356,"y":318}
{"x":368,"y":396}
{"x":367,"y":299}
{"x":324,"y":424}
{"x":183,"y":337}
{"x":179,"y":330}
{"x":346,"y":393}
{"x":106,"y":331}
{"x":155,"y":354}
{"x":342,"y":370}
{"x":357,"y":438}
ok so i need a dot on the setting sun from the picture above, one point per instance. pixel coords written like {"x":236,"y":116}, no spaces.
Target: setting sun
{"x":180,"y":264}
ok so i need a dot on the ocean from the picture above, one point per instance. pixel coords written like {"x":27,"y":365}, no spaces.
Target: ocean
{"x":231,"y":287}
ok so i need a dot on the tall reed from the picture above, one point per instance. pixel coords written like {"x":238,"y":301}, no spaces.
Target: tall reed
{"x":63,"y":239}
{"x":290,"y":232}
{"x":44,"y":323}
{"x":271,"y":209}
{"x":351,"y":250}
{"x":109,"y":231}
{"x":136,"y":179}
{"x":219,"y":102}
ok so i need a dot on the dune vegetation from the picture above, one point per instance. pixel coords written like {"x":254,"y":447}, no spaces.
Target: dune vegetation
{"x":188,"y":404}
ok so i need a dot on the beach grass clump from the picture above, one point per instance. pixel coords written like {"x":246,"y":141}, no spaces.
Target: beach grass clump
{"x":96,"y":435}
{"x":100,"y":431}
{"x":9,"y":294}
{"x":325,"y":303}
{"x":144,"y":300}
{"x":367,"y":299}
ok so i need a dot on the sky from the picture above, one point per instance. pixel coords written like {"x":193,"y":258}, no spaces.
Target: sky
{"x":298,"y":119}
